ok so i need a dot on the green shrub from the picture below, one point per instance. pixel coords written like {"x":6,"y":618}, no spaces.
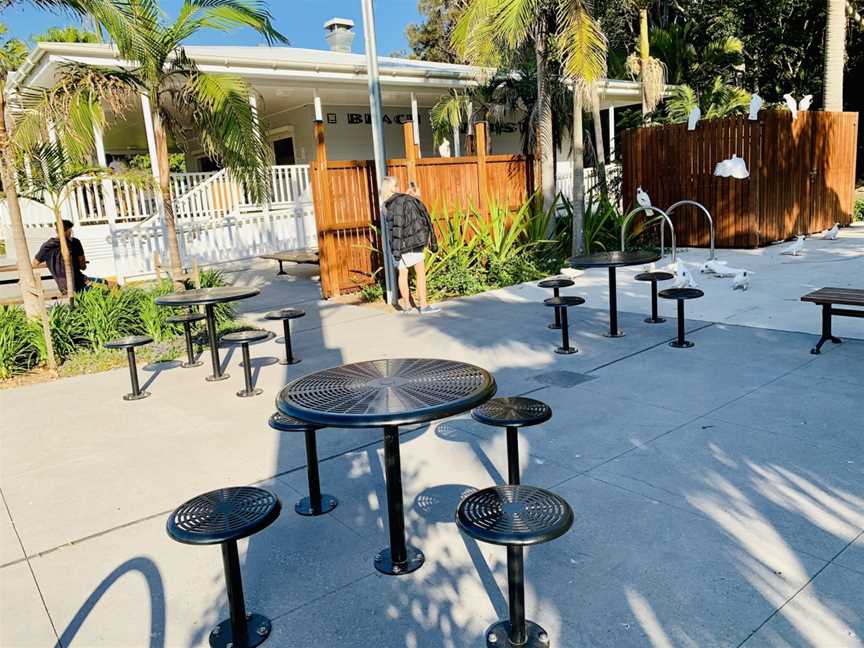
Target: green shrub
{"x":21,"y":344}
{"x":858,"y":210}
{"x":372,"y":292}
{"x":103,"y":314}
{"x":454,"y":279}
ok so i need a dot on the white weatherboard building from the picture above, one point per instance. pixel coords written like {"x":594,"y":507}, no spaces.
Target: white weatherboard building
{"x":120,"y":225}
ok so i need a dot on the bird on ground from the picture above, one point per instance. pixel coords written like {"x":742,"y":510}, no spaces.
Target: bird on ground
{"x":685,"y":278}
{"x":741,"y":281}
{"x":755,"y":106}
{"x":571,"y":272}
{"x":693,"y":119}
{"x":796,"y":248}
{"x":831,"y":234}
{"x":644,"y":200}
{"x":791,"y":105}
{"x":805,"y":103}
{"x":713,"y":266}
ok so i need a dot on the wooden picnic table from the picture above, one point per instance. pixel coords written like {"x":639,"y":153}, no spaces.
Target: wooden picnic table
{"x":827,"y":298}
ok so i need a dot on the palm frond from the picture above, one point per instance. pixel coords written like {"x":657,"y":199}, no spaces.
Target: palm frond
{"x":582,"y":43}
{"x":226,"y":15}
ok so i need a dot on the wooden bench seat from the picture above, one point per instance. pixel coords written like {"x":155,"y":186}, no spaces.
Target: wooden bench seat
{"x":304,"y":255}
{"x":827,"y":298}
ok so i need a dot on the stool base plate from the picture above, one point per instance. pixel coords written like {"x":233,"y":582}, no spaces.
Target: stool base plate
{"x":651,"y":320}
{"x":384,"y":563}
{"x":189,"y":365}
{"x":566,"y":351}
{"x":224,"y":376}
{"x":133,"y":397}
{"x":619,"y":334}
{"x":686,"y":344}
{"x":248,"y":394}
{"x":292,"y":361}
{"x":258,"y":630}
{"x":304,"y":506}
{"x":498,"y":636}
{"x":554,"y":327}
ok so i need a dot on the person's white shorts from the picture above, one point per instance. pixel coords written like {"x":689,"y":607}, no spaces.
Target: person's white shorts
{"x":410,"y":259}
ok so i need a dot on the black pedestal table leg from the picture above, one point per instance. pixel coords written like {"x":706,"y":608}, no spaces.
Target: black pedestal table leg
{"x":190,"y":350}
{"x":827,"y":333}
{"x":613,"y":305}
{"x":289,"y":352}
{"x":557,"y":323}
{"x":516,"y":631}
{"x":241,"y":629}
{"x":214,"y":345}
{"x":281,"y":269}
{"x":512,"y":456}
{"x":316,"y":503}
{"x":565,"y":347}
{"x":398,"y":558}
{"x":655,"y":318}
{"x":681,"y":322}
{"x":133,"y":370}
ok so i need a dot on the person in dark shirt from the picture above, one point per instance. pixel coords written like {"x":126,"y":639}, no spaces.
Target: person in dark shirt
{"x":50,"y":256}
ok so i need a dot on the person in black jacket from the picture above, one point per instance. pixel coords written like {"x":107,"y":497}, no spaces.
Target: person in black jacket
{"x":50,"y":256}
{"x":410,"y":233}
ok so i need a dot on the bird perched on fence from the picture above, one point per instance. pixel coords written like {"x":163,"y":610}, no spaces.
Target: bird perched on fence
{"x":831,"y":234}
{"x":790,"y":103}
{"x":444,"y":148}
{"x":693,"y":119}
{"x":741,"y":281}
{"x":796,"y":248}
{"x":684,"y":278}
{"x":755,"y":106}
{"x":805,"y":103}
{"x":644,"y":200}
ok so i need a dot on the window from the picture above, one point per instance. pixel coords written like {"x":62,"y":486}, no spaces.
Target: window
{"x":283,"y":150}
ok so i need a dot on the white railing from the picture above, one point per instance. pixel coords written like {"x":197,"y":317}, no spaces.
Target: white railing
{"x":290,"y":184}
{"x":564,"y":178}
{"x":215,"y":197}
{"x":182,"y":183}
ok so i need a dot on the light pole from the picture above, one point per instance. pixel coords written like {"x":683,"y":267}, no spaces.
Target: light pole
{"x":377,"y":136}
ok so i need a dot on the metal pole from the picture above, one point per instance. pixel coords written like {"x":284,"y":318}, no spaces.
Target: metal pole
{"x":395,"y":512}
{"x":380,"y":154}
{"x":512,"y":455}
{"x":516,"y":591}
{"x":234,"y":586}
{"x":312,"y":475}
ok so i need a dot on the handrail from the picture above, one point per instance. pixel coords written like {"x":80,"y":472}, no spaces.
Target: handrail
{"x":647,"y":209}
{"x":707,"y":215}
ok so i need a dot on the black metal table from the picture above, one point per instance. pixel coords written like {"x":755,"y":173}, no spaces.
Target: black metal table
{"x":388,"y":393}
{"x":613,"y":260}
{"x":209,"y":297}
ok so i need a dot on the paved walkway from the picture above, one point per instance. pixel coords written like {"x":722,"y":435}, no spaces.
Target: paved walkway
{"x":718,"y":491}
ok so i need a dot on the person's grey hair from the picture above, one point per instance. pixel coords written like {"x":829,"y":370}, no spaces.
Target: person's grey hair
{"x":389,"y":186}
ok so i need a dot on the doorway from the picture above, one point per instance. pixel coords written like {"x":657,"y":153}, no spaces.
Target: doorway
{"x":283,"y":151}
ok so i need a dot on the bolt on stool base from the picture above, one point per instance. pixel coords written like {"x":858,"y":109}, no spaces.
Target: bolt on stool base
{"x":258,"y":629}
{"x":326,"y":503}
{"x":498,"y":636}
{"x":414,"y":561}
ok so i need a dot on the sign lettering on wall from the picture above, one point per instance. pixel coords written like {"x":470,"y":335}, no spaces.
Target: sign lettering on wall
{"x":366,"y":118}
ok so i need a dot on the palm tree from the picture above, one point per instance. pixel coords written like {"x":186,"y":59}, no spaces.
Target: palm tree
{"x":492,"y":33}
{"x":68,"y":34}
{"x":216,"y":105}
{"x":651,"y":72}
{"x":835,"y":53}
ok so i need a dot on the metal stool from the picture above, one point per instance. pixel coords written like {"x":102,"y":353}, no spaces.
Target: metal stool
{"x":512,"y":413}
{"x":514,"y":516}
{"x":187,"y":319}
{"x":317,"y":503}
{"x":561,"y":304}
{"x":556,"y":283}
{"x":654,"y":277}
{"x":681,"y":295}
{"x":223,"y":517}
{"x":286,"y":315}
{"x":129,"y":343}
{"x":244,"y":338}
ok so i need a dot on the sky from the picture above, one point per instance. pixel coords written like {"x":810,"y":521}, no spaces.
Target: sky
{"x":300,"y":20}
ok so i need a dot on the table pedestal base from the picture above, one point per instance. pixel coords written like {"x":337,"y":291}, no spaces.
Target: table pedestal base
{"x":224,"y":376}
{"x":257,"y":630}
{"x":610,"y":334}
{"x":384,"y":561}
{"x":498,"y":636}
{"x":686,"y":344}
{"x":326,"y":503}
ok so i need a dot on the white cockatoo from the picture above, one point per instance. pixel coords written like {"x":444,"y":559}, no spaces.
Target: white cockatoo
{"x":693,"y":119}
{"x":755,"y":106}
{"x":790,"y":103}
{"x":644,"y":200}
{"x":444,"y":148}
{"x":724,"y":271}
{"x":741,"y":281}
{"x":734,"y":167}
{"x":684,"y":277}
{"x":804,"y":104}
{"x":796,"y":248}
{"x":571,"y":272}
{"x":831,"y":234}
{"x":651,"y":267}
{"x":714,"y":267}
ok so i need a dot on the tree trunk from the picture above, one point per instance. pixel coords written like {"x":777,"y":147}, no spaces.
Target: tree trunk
{"x":599,"y":148}
{"x":175,"y":263}
{"x":544,"y":124}
{"x":578,"y":170}
{"x":64,"y":251}
{"x":29,"y":292}
{"x":644,"y":52}
{"x":835,"y":47}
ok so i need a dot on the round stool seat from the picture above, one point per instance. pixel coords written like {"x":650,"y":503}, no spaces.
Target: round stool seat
{"x":128,"y":341}
{"x":657,"y":275}
{"x":222,"y":515}
{"x":184,"y":318}
{"x":283,"y":423}
{"x":245,"y":337}
{"x":566,"y":300}
{"x":514,"y":515}
{"x":285,"y":314}
{"x":681,"y":293}
{"x":512,"y":412}
{"x":556,"y":282}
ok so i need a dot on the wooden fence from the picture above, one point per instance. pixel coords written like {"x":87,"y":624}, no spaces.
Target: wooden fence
{"x":346,"y":200}
{"x":802,"y":175}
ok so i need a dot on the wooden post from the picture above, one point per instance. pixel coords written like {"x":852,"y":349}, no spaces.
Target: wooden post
{"x":196,"y":274}
{"x":482,"y":172}
{"x":157,"y":266}
{"x":410,"y":152}
{"x":323,"y":217}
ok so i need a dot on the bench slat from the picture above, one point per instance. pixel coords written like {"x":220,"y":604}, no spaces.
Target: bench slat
{"x":846,"y":296}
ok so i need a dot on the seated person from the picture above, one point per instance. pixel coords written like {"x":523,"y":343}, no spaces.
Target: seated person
{"x":50,"y":256}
